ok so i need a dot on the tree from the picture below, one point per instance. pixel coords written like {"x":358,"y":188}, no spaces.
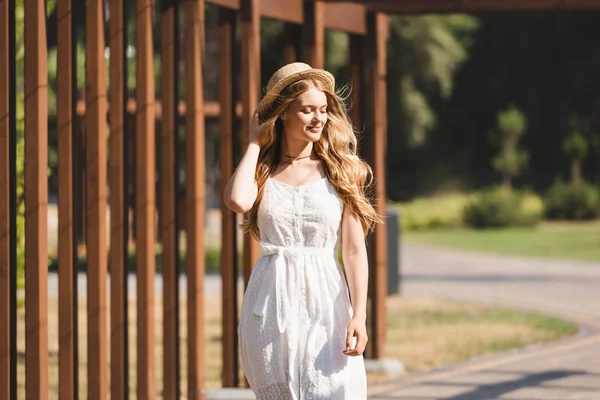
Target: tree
{"x":424,"y":54}
{"x":576,"y":148}
{"x":511,"y":160}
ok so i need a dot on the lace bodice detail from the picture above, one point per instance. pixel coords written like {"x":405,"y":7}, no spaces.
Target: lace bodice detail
{"x":300,"y":216}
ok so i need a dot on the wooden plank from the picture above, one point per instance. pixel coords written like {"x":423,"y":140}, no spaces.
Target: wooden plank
{"x":231,"y":4}
{"x":347,"y":17}
{"x":314,"y":33}
{"x":377,"y":26}
{"x":6,"y":305}
{"x":36,"y":201}
{"x":118,"y":206}
{"x":228,"y":222}
{"x":250,"y":66}
{"x":356,"y":74}
{"x":287,"y":11}
{"x":95,"y":144}
{"x":476,"y":6}
{"x":168,"y":192}
{"x":145,"y":206}
{"x":195,"y":195}
{"x":67,"y":298}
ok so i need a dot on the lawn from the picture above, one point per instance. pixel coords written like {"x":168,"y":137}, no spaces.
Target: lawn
{"x":422,"y":333}
{"x":560,"y":240}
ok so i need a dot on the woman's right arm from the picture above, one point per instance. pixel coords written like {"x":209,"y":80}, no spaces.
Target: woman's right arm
{"x":241,"y":190}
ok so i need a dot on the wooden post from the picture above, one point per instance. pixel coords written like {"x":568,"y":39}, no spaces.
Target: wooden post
{"x":195,"y":195}
{"x":67,"y":297}
{"x":377,"y":25}
{"x":229,"y":270}
{"x":314,"y":33}
{"x":95,"y":144}
{"x":168,"y":192}
{"x":356,"y":78}
{"x":36,"y":201}
{"x":145,"y":200}
{"x":118,"y":209}
{"x":250,"y":65}
{"x":7,"y":390}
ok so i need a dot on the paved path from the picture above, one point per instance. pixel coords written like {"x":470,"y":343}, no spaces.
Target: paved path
{"x":569,"y":369}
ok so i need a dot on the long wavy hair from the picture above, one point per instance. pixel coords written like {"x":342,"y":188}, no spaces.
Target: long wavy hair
{"x":337,"y":148}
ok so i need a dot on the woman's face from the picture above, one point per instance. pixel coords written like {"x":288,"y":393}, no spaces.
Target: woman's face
{"x":306,"y":117}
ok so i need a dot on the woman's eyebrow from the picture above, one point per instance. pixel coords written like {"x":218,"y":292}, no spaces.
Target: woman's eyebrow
{"x":312,"y":106}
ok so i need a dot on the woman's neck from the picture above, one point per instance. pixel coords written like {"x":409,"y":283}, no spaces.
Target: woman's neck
{"x":295,"y":150}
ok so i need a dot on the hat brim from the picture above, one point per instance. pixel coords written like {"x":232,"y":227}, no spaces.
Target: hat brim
{"x":313,"y":73}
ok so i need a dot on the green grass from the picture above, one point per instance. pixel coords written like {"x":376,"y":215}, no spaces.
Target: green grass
{"x":560,"y":240}
{"x":428,"y":333}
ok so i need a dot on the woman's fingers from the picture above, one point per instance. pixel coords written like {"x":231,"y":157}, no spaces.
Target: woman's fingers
{"x":349,"y":339}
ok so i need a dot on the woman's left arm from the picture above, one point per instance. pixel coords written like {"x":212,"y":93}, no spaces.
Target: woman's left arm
{"x":354,"y":253}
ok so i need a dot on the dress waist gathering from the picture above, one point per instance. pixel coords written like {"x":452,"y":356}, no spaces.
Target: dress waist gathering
{"x":283,"y":288}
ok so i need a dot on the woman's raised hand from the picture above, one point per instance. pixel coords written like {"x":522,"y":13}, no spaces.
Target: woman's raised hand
{"x":254,"y":124}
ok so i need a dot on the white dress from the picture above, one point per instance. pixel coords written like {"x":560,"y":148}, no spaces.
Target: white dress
{"x":296,"y":309}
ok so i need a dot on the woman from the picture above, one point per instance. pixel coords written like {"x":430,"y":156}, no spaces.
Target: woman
{"x":302,"y":184}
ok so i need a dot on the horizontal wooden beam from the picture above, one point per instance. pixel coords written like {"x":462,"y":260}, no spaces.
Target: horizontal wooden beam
{"x":474,"y":6}
{"x":287,"y":11}
{"x":212,"y":109}
{"x":347,"y":17}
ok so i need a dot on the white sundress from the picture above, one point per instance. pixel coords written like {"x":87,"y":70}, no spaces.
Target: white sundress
{"x":296,"y":308}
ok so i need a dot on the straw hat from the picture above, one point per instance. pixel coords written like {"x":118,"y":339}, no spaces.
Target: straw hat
{"x":289,"y":74}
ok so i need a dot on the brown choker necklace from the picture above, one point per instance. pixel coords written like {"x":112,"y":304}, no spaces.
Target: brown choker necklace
{"x":296,"y":158}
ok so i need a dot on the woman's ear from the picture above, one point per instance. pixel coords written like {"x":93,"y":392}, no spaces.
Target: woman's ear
{"x":283,"y":115}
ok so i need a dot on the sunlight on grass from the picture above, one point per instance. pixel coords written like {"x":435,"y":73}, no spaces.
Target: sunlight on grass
{"x":573,"y":240}
{"x":427,"y":333}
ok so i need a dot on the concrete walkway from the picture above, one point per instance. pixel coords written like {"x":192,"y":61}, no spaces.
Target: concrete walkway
{"x":569,"y":369}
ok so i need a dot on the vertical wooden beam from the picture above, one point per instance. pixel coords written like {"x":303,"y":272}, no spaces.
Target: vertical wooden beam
{"x":250,"y":65}
{"x":228,"y":222}
{"x":145,"y":200}
{"x":6,"y":304}
{"x":67,"y":299}
{"x":195,"y":194}
{"x":168,"y":192}
{"x":314,"y":33}
{"x":356,"y":78}
{"x":95,"y":144}
{"x":377,"y":26}
{"x":36,"y":200}
{"x":118,"y":210}
{"x":293,"y":37}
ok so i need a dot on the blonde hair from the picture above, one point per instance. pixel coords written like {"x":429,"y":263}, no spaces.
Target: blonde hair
{"x":337,"y":148}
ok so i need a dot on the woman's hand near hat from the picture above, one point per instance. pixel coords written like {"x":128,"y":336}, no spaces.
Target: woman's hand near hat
{"x":253,"y":131}
{"x":254,"y":124}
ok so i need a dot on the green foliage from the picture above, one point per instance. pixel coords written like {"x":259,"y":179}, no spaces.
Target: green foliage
{"x":431,"y":212}
{"x":511,"y":160}
{"x":424,"y":54}
{"x":576,"y":200}
{"x":576,"y":147}
{"x":496,"y":208}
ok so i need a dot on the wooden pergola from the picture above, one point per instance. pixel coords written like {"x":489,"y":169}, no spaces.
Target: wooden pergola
{"x":365,"y":21}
